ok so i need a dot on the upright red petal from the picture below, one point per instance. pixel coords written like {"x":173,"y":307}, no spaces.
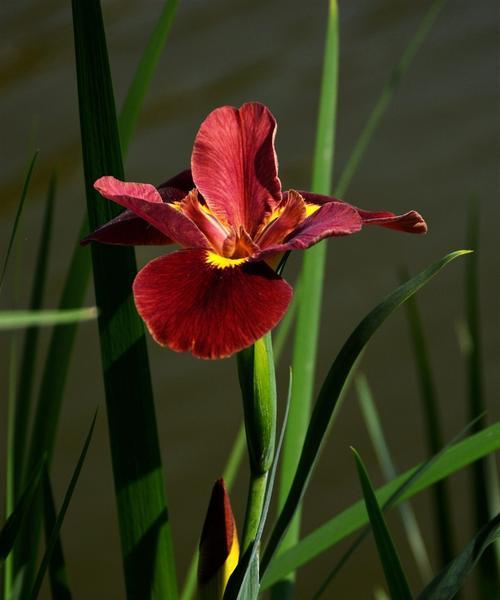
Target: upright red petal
{"x":145,"y":201}
{"x":209,"y":305}
{"x":234,"y":164}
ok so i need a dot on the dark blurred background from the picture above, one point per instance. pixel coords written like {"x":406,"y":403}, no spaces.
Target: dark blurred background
{"x":437,"y":146}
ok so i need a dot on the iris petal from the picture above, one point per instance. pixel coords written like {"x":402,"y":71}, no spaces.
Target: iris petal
{"x":189,"y":304}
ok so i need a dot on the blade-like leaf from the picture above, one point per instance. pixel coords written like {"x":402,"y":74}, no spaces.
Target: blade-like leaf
{"x":451,"y":460}
{"x":11,"y":527}
{"x":433,"y":428}
{"x":54,"y":536}
{"x":144,"y":73}
{"x":372,"y":421}
{"x":58,"y":576}
{"x":448,"y":583}
{"x":19,"y":211}
{"x":147,"y":548}
{"x":20,"y":319}
{"x":488,"y":573}
{"x":28,"y":360}
{"x":311,"y":278}
{"x":332,"y":388}
{"x":394,"y":574}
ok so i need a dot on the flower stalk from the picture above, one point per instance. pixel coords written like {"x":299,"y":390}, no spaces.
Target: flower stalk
{"x":258,"y":388}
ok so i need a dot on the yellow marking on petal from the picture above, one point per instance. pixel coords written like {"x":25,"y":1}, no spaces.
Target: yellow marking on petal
{"x":176,"y":205}
{"x":311,"y":209}
{"x":275,"y":214}
{"x":231,"y":561}
{"x":221,"y":262}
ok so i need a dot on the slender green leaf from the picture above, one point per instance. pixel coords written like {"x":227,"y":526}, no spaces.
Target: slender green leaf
{"x":144,"y":73}
{"x":11,"y":527}
{"x":311,"y":278}
{"x":58,"y":576}
{"x":17,"y":218}
{"x":30,"y":348}
{"x":147,"y":548}
{"x":410,"y":523}
{"x":396,"y":495}
{"x":54,"y":536}
{"x":394,"y":574}
{"x":489,"y":577}
{"x":388,"y":92}
{"x":433,"y":428}
{"x":451,"y":460}
{"x":331,"y":389}
{"x":447,"y":584}
{"x":20,"y":319}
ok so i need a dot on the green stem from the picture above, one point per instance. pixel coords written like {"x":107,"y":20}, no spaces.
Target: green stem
{"x":255,"y":502}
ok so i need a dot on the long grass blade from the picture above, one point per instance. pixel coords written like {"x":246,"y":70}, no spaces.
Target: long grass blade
{"x":311,"y":279}
{"x":410,"y":523}
{"x":147,"y":548}
{"x":54,"y":536}
{"x":17,"y":218}
{"x":21,"y":319}
{"x":433,"y":428}
{"x":488,"y":574}
{"x":448,"y":583}
{"x":402,"y":488}
{"x":144,"y":73}
{"x":331,"y":389}
{"x":388,"y":91}
{"x":394,"y":573}
{"x":30,"y":348}
{"x":58,"y":576}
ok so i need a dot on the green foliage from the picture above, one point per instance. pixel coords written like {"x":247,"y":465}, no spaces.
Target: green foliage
{"x":143,"y":519}
{"x":21,"y":319}
{"x":394,"y":574}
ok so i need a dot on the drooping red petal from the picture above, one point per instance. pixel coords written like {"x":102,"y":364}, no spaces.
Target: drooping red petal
{"x":234,"y":164}
{"x":145,"y":201}
{"x":410,"y":222}
{"x":128,"y":229}
{"x":331,"y":219}
{"x":190,"y":305}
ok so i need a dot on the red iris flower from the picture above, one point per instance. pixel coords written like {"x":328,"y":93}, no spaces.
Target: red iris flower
{"x":219,"y":293}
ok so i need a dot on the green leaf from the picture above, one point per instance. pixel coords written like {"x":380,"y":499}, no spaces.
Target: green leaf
{"x":12,"y":526}
{"x":58,"y":576}
{"x":331,"y":389}
{"x":388,"y":92}
{"x":250,"y":587}
{"x":20,"y":319}
{"x":311,"y":281}
{"x":144,"y":73}
{"x":488,"y":572}
{"x":30,"y":348}
{"x":17,"y":218}
{"x":372,"y":421}
{"x":394,"y":574}
{"x":433,"y":428}
{"x":451,"y":460}
{"x":147,"y":548}
{"x":447,"y":584}
{"x":54,"y":536}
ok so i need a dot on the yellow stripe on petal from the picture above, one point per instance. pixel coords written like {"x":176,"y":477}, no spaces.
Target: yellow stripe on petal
{"x":311,"y":209}
{"x":231,"y":561}
{"x":221,"y":262}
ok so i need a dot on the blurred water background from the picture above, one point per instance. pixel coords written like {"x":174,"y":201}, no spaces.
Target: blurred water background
{"x":437,"y":146}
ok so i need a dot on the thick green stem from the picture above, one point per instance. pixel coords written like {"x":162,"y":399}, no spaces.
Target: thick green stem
{"x":255,"y":502}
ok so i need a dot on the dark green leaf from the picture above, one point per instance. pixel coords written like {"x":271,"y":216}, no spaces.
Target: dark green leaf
{"x":144,"y":525}
{"x":331,"y":389}
{"x":394,"y":574}
{"x":447,"y":584}
{"x":54,"y":535}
